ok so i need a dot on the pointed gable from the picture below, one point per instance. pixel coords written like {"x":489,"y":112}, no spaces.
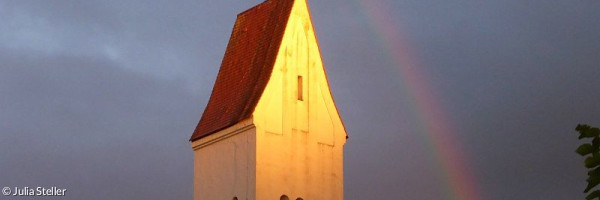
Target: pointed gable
{"x":246,"y":66}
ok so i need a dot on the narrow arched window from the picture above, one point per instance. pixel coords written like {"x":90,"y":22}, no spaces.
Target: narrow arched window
{"x":283,"y":197}
{"x":300,"y":89}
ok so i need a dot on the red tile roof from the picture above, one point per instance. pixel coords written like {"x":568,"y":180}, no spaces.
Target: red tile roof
{"x":246,"y":67}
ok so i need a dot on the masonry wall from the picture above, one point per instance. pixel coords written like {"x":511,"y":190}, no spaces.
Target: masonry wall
{"x":300,"y":137}
{"x":224,"y":164}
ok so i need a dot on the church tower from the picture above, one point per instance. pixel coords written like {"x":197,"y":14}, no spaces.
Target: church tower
{"x":271,"y":129}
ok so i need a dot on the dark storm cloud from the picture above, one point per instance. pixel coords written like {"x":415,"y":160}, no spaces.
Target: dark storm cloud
{"x":87,"y":125}
{"x":514,"y":76}
{"x":158,"y":38}
{"x":100,"y":97}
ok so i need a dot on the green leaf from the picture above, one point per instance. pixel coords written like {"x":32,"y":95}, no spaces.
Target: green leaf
{"x":582,"y":127}
{"x":593,"y":181}
{"x":593,"y":195}
{"x":592,"y":161}
{"x":594,"y":131}
{"x":586,"y":131}
{"x":596,"y":144}
{"x":594,"y":173}
{"x":585,"y":149}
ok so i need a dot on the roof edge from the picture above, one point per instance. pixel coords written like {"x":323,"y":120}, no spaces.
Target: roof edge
{"x":279,"y":16}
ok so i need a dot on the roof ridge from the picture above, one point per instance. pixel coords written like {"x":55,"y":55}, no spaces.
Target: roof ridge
{"x":272,"y":47}
{"x":246,"y":66}
{"x":256,"y":7}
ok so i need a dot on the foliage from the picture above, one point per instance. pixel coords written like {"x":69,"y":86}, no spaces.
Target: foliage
{"x":592,"y":161}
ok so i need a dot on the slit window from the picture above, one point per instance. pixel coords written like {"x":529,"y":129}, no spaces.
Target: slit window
{"x":300,"y":89}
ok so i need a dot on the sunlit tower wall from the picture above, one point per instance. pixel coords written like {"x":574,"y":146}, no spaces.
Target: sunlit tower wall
{"x":290,"y":146}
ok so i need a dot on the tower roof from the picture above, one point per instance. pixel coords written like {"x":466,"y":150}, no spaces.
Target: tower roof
{"x":246,"y":66}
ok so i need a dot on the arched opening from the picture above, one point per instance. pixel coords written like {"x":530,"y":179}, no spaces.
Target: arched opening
{"x":299,"y":198}
{"x":235,"y":198}
{"x":283,"y":197}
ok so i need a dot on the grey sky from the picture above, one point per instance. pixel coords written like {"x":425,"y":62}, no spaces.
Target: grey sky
{"x":100,"y":97}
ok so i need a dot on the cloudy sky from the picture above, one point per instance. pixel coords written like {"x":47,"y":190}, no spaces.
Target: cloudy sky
{"x":101,"y":97}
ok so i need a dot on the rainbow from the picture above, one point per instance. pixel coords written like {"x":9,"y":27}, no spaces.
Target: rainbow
{"x":440,"y":135}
